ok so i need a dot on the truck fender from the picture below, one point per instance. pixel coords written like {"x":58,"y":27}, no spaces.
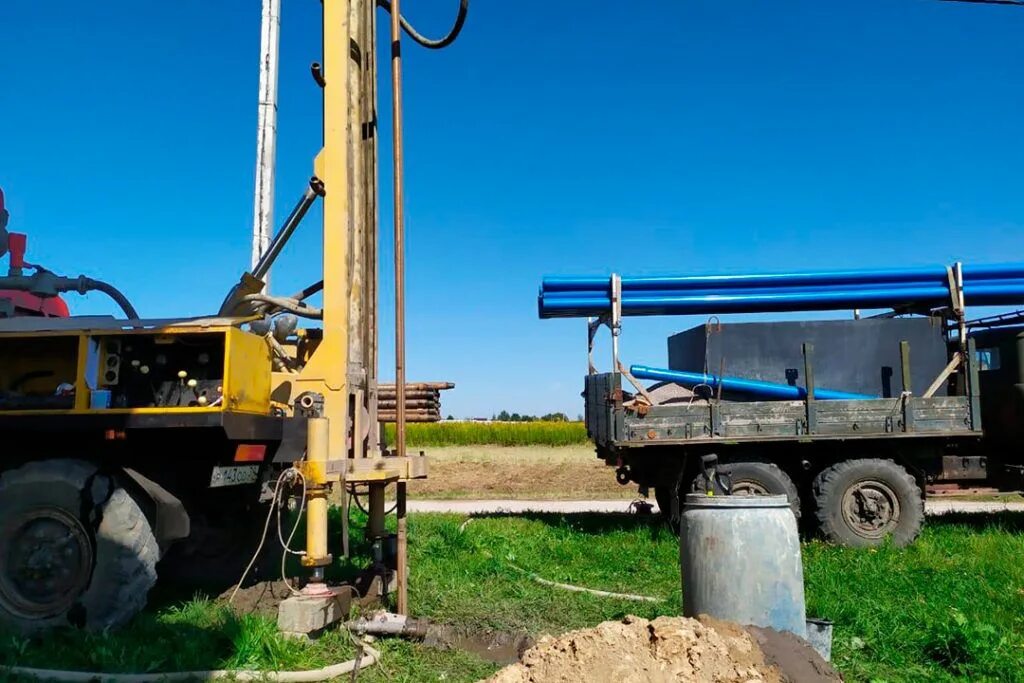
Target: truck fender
{"x":167,"y":516}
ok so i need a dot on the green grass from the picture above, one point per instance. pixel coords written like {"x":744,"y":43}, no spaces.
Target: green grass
{"x":948,"y":608}
{"x":439,"y":434}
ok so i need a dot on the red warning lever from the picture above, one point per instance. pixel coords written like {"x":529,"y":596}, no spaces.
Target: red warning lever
{"x":17,"y":244}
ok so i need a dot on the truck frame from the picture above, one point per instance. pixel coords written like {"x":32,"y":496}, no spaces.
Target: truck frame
{"x":856,"y":471}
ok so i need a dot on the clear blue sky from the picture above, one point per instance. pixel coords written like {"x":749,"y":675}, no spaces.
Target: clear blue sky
{"x":554,"y":137}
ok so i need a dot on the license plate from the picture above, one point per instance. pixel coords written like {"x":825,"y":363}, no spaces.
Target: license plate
{"x":234,"y":475}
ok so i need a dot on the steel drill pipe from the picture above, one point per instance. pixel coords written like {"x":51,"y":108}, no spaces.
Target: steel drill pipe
{"x":389,"y":415}
{"x":758,"y":388}
{"x":409,"y":416}
{"x":418,"y":386}
{"x":412,"y":404}
{"x":412,"y":392}
{"x":381,"y":399}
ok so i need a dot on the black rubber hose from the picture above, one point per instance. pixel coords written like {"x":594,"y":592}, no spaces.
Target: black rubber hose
{"x":113,"y":293}
{"x":460,"y":19}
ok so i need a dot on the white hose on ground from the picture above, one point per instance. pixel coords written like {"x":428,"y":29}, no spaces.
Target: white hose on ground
{"x":568,"y":586}
{"x":581,"y":589}
{"x":369,"y":658}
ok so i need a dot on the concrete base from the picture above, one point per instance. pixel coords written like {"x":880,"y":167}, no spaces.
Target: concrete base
{"x":306,"y":616}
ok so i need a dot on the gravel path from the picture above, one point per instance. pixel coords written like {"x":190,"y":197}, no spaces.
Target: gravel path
{"x":478,"y":507}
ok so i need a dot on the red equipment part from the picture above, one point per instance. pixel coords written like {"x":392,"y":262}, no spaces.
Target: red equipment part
{"x":29,"y":304}
{"x":17,"y":243}
{"x":24,"y":303}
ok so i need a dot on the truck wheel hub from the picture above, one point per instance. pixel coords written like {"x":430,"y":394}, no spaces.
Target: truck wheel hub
{"x":749,"y":488}
{"x":871,"y":509}
{"x":46,"y":561}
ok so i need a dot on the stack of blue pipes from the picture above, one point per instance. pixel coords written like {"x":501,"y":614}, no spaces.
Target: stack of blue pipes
{"x":928,"y":287}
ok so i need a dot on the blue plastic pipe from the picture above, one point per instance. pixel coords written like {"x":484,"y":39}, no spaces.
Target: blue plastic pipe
{"x":934,"y":275}
{"x":978,"y":293}
{"x":750,"y":291}
{"x":766,"y":390}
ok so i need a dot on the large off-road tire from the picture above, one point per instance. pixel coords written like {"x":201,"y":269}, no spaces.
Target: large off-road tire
{"x":758,"y":478}
{"x":748,"y":478}
{"x":75,"y":548}
{"x":860,"y":503}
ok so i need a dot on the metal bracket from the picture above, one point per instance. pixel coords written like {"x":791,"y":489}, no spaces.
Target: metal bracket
{"x":716,"y":418}
{"x":593,"y":325}
{"x":616,"y":323}
{"x":812,"y":407}
{"x":636,"y":385}
{"x":613,"y":319}
{"x":973,"y":385}
{"x":319,"y":473}
{"x":955,"y":275}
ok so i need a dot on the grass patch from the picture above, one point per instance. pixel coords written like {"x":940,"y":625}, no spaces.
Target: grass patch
{"x":437,"y":434}
{"x":948,"y":608}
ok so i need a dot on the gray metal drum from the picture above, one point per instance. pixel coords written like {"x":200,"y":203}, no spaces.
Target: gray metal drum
{"x":740,"y":557}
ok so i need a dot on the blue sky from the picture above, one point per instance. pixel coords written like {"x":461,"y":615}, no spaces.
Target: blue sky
{"x":580,"y":137}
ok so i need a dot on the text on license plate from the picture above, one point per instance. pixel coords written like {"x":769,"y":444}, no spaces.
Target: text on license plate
{"x":234,"y":475}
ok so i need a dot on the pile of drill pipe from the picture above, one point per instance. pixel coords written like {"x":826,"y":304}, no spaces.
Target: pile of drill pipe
{"x":929,"y":287}
{"x":422,"y":401}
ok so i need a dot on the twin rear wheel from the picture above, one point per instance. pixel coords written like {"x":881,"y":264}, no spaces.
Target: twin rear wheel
{"x":857,"y":503}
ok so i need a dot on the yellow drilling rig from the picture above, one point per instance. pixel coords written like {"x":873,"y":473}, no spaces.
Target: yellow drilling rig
{"x":134,"y":443}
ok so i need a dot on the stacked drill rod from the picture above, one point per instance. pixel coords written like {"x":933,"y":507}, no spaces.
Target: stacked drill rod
{"x":919,"y":288}
{"x":422,"y":401}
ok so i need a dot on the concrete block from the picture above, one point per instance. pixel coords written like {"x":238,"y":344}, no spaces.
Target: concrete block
{"x":305,"y":615}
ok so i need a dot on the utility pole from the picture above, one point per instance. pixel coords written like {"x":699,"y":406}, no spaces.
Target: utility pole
{"x":266,"y":132}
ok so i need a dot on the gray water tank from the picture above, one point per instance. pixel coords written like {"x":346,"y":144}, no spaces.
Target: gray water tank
{"x":859,"y":356}
{"x":740,"y":558}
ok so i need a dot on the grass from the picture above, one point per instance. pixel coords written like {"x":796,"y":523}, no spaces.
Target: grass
{"x":436,"y":434}
{"x":948,"y":608}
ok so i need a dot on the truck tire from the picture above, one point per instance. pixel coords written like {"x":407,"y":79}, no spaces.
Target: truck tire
{"x":859,"y":503}
{"x":668,"y":505}
{"x":226,"y":530}
{"x":75,"y":548}
{"x":750,"y":477}
{"x":757,"y":478}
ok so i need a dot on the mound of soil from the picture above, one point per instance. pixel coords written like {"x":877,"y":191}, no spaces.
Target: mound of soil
{"x":668,"y":649}
{"x":262,"y":598}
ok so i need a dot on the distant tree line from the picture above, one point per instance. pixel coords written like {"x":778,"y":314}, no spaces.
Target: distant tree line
{"x":505,"y":416}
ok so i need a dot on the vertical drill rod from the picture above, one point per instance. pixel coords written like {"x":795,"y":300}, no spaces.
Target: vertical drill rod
{"x":396,"y":114}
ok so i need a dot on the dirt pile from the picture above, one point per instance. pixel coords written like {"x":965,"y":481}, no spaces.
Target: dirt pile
{"x":668,"y":649}
{"x":262,"y":598}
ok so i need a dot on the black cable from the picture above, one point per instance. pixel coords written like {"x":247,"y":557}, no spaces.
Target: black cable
{"x":354,"y":496}
{"x":460,"y":19}
{"x":115,"y":294}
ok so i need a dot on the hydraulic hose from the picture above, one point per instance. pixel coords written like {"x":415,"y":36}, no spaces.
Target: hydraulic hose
{"x":269,"y":303}
{"x":114,"y":293}
{"x":429,"y":43}
{"x":46,"y":284}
